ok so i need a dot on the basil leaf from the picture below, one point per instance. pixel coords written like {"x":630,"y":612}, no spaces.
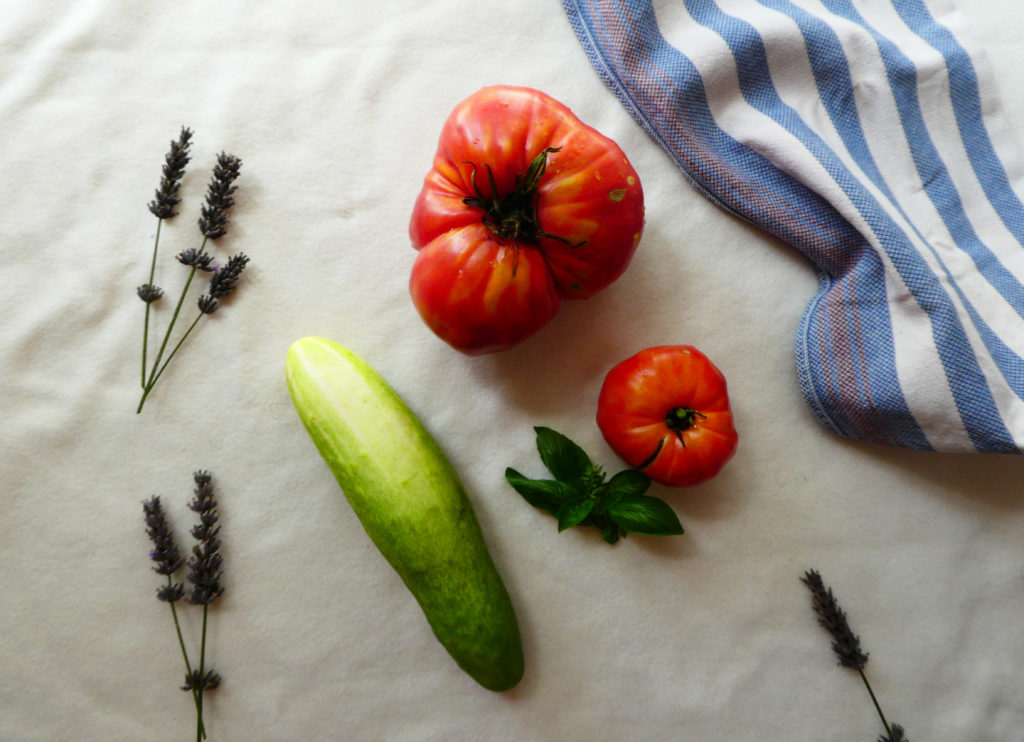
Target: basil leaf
{"x":627,"y":483}
{"x":573,"y":512}
{"x":646,"y":515}
{"x":563,"y":458}
{"x":545,"y":494}
{"x":630,"y":482}
{"x":581,"y":494}
{"x":610,"y":533}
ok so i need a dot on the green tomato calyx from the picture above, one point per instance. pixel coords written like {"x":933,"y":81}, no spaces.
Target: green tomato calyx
{"x":679,"y":419}
{"x":514,"y":215}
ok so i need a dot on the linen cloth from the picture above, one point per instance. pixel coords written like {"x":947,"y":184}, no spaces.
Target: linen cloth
{"x":864,"y":135}
{"x":334,"y":109}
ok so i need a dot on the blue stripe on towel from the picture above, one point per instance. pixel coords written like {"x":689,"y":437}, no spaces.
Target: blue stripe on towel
{"x":966,"y":101}
{"x":863,"y":376}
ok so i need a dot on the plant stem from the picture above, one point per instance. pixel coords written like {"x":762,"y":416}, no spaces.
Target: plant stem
{"x":148,"y":386}
{"x":874,"y":700}
{"x":200,"y":731}
{"x":170,"y":327}
{"x":152,"y":275}
{"x":184,"y":653}
{"x":173,"y":351}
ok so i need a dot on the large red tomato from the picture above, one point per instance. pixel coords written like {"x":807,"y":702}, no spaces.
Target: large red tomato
{"x":525,"y":205}
{"x":666,"y":412}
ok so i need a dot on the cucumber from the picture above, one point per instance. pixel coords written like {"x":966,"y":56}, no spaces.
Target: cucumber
{"x":411,"y":503}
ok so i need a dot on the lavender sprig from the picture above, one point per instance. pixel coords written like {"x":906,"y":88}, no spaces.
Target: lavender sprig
{"x":224,"y":279}
{"x":845,"y":644}
{"x":164,"y":206}
{"x":165,"y":551}
{"x":166,"y":202}
{"x":223,"y":282}
{"x":205,"y":564}
{"x":213,"y":218}
{"x":168,"y":561}
{"x":205,"y":572}
{"x":213,"y":225}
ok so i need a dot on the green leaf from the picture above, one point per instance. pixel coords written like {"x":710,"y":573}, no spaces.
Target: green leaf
{"x":610,"y":532}
{"x":563,"y":458}
{"x":536,"y":170}
{"x":573,"y":512}
{"x":545,"y":494}
{"x":646,"y":515}
{"x":629,"y":482}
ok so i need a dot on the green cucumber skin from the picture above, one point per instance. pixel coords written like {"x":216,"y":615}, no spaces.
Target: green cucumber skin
{"x":411,"y":503}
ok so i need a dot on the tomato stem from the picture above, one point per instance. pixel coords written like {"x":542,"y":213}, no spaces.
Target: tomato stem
{"x":514,"y":215}
{"x":679,"y":419}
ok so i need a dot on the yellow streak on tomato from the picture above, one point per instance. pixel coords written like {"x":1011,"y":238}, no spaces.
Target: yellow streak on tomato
{"x":502,"y":275}
{"x":565,"y":186}
{"x":584,"y":229}
{"x":465,"y":258}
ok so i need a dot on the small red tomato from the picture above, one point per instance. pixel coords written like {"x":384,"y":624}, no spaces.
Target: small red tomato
{"x":525,"y":205}
{"x":666,"y":412}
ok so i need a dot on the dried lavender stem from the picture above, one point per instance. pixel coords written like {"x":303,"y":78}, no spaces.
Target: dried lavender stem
{"x":170,"y":327}
{"x":152,"y":275}
{"x":163,"y":207}
{"x":845,"y":644}
{"x":173,"y":351}
{"x":196,"y":699}
{"x":177,"y":628}
{"x":874,"y":700}
{"x":205,"y":571}
{"x":202,"y":679}
{"x":148,"y":387}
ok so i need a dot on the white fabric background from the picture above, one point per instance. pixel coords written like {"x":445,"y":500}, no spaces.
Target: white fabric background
{"x":335,"y":109}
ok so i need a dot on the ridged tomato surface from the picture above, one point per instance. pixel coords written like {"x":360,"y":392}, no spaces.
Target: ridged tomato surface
{"x":666,"y":412}
{"x":518,"y":183}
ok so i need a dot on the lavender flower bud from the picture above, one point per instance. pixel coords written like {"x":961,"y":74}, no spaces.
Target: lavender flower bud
{"x":208,"y":681}
{"x":214,"y":218}
{"x":171,"y":593}
{"x":205,"y":574}
{"x":211,"y":681}
{"x":197,"y":258}
{"x":895,"y":736}
{"x":206,"y":561}
{"x":207,"y":528}
{"x":165,"y":552}
{"x":224,"y":278}
{"x":845,"y":643}
{"x":149,"y":293}
{"x":166,"y":201}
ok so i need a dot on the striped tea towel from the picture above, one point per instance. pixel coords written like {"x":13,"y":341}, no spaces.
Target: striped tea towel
{"x":864,"y":134}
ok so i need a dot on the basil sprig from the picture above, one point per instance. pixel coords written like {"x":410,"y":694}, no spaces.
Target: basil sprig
{"x":581,"y":495}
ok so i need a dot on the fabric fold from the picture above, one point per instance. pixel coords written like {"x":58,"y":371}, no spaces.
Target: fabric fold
{"x":859,"y":134}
